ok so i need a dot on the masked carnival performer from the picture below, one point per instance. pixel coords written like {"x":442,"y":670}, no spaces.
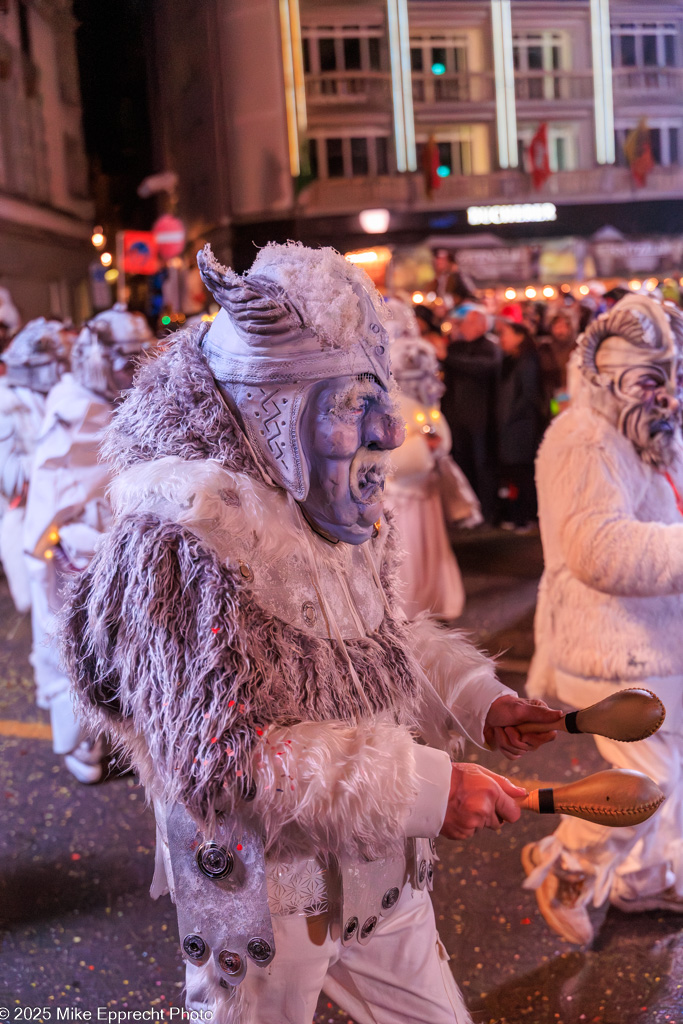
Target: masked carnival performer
{"x":425,"y":488}
{"x":68,"y":510}
{"x":237,"y":632}
{"x":35,"y":360}
{"x":610,"y":484}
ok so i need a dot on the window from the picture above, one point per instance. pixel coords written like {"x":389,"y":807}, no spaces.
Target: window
{"x":562,"y":146}
{"x":438,"y":55}
{"x":628,"y":51}
{"x":673,"y":145}
{"x":374,"y":53}
{"x":382,"y":154}
{"x":346,"y":157}
{"x":644,"y":45}
{"x":649,"y":51}
{"x":664,"y":140}
{"x":313,"y":157}
{"x":454,"y":151}
{"x":341,"y":48}
{"x":352,"y":54}
{"x":538,"y":57}
{"x":359,"y":157}
{"x":335,"y":158}
{"x":328,"y":56}
{"x":76,"y":167}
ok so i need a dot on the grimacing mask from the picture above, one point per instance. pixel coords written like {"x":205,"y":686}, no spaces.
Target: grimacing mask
{"x":631,"y":357}
{"x":300,"y":350}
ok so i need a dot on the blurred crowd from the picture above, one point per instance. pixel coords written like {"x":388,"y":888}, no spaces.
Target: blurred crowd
{"x":506,"y":367}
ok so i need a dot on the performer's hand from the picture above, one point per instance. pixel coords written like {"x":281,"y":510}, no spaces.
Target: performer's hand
{"x":478,"y":799}
{"x":505,"y":713}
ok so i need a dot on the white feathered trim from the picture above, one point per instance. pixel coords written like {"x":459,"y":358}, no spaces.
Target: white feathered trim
{"x":464,"y":678}
{"x":345,"y":789}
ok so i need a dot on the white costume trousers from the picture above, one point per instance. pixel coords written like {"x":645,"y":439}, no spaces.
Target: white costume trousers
{"x":12,"y":557}
{"x":646,"y":858}
{"x":52,"y":683}
{"x":400,"y":977}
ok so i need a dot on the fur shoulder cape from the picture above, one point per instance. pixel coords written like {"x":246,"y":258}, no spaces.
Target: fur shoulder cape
{"x":168,"y":651}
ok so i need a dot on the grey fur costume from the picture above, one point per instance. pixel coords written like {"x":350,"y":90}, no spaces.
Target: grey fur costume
{"x":221,"y":705}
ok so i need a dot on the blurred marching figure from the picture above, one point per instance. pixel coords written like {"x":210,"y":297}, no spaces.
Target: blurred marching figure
{"x":610,"y":486}
{"x":10,"y":321}
{"x":68,"y":510}
{"x":36,"y":359}
{"x":426,"y":487}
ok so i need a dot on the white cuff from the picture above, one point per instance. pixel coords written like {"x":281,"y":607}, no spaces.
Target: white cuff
{"x":433,"y":775}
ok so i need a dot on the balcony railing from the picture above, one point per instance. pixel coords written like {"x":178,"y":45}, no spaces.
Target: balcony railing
{"x":461,"y":87}
{"x":406,"y":191}
{"x":648,"y":80}
{"x":553,"y":85}
{"x":342,"y":87}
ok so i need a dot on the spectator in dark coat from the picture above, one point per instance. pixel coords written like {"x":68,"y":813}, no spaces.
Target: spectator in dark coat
{"x":471,"y":375}
{"x":520,"y":423}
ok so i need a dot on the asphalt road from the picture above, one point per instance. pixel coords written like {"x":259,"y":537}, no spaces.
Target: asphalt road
{"x":78,"y":930}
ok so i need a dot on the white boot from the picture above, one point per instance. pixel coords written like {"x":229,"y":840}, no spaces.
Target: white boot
{"x":85,"y":762}
{"x":563,"y":889}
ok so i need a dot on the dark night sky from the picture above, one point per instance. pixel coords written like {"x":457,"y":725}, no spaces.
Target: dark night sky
{"x":114,"y":55}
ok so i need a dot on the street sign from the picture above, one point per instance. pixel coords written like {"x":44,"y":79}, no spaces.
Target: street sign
{"x":139,"y":252}
{"x":169,"y":232}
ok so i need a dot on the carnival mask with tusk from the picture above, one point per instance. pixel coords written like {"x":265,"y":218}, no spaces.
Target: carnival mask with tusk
{"x":631,"y":359}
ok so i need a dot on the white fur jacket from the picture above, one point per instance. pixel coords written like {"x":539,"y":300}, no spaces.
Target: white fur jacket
{"x":611,"y":598}
{"x":68,"y":491}
{"x":213,"y":635}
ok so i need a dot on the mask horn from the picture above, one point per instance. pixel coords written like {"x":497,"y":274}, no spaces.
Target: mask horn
{"x":256,"y":306}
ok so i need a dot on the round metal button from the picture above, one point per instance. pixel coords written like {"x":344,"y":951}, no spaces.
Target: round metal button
{"x":259,"y":950}
{"x":194,"y":947}
{"x":214,"y":861}
{"x":309,"y":613}
{"x":422,"y":873}
{"x":390,"y":898}
{"x":246,"y":572}
{"x":430,"y":873}
{"x":350,"y":927}
{"x":368,"y":927}
{"x":229,"y":962}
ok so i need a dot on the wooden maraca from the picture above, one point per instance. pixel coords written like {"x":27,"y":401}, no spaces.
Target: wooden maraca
{"x":615,"y":797}
{"x":627,"y":715}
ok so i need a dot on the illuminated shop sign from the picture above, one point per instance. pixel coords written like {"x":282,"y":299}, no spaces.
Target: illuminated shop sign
{"x":520,"y":213}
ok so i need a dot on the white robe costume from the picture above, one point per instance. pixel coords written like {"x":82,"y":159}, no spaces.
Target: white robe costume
{"x":21,"y":415}
{"x":609,"y":616}
{"x":66,"y":515}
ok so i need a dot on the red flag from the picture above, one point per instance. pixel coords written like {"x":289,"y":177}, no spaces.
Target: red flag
{"x":639,"y":152}
{"x":538,"y":155}
{"x":430,"y":164}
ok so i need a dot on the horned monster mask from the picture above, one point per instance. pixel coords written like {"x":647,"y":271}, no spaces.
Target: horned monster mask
{"x":300,"y":348}
{"x":631,"y":360}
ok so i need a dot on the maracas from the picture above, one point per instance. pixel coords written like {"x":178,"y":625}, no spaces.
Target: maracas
{"x":614,"y":797}
{"x":627,"y":715}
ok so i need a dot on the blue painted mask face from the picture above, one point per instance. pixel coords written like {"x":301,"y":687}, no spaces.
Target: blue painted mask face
{"x":347,"y":429}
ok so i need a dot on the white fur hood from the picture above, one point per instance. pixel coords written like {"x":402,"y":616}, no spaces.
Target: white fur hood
{"x":611,"y":598}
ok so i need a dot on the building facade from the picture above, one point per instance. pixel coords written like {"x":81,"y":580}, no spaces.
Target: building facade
{"x":45,"y":211}
{"x":424,"y":108}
